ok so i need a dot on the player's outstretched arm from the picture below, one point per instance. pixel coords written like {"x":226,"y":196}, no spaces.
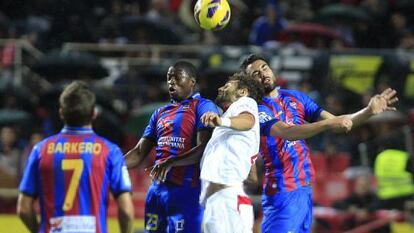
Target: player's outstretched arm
{"x":125,"y":212}
{"x":244,"y":121}
{"x":136,"y":155}
{"x":296,"y":132}
{"x":377,"y":104}
{"x":26,"y":212}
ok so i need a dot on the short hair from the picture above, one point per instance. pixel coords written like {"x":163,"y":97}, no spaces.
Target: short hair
{"x":252,"y":58}
{"x":187,"y":67}
{"x":77,"y":103}
{"x":253,"y":86}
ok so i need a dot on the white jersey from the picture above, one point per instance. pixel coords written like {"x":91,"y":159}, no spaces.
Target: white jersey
{"x":228,"y":156}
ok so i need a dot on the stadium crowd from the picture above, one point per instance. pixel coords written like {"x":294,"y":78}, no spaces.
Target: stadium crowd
{"x":349,"y":23}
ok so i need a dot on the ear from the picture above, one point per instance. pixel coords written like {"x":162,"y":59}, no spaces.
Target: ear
{"x":61,"y":114}
{"x":193,"y":81}
{"x":242,"y":92}
{"x":94,"y":113}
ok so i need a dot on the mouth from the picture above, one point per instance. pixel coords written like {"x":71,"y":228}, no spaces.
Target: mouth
{"x":267,"y":81}
{"x":171,"y":90}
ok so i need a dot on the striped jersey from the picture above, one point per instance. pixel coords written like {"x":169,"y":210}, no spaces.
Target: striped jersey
{"x":71,"y":173}
{"x":174,"y":130}
{"x":287,"y":163}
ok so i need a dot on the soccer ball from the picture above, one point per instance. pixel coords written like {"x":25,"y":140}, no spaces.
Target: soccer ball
{"x":212,"y":14}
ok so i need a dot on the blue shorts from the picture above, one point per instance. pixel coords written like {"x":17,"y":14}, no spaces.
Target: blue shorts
{"x":288,"y":211}
{"x":172,"y":208}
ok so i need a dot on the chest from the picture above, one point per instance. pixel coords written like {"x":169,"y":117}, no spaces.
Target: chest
{"x":287,"y":110}
{"x":177,"y":119}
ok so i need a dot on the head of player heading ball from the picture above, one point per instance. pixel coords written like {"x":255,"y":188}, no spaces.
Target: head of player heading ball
{"x":212,"y":14}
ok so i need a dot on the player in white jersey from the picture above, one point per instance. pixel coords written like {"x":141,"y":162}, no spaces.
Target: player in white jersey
{"x":228,"y":157}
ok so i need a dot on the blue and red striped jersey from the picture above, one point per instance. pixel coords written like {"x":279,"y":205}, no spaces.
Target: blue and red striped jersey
{"x":287,"y":163}
{"x":174,"y":130}
{"x":71,"y":173}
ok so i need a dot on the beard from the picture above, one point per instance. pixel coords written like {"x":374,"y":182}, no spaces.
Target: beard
{"x":223,"y":99}
{"x":269,"y":87}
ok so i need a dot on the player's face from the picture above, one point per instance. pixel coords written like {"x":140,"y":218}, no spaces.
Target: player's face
{"x":180,"y":84}
{"x":261,"y":71}
{"x":227,"y":94}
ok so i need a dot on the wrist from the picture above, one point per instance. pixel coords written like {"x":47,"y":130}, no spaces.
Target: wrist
{"x":225,"y":122}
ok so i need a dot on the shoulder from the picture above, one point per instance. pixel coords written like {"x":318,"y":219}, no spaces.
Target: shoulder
{"x":298,"y":95}
{"x":204,"y":104}
{"x":202,"y":100}
{"x":110,"y":145}
{"x":47,"y":140}
{"x":285,"y":92}
{"x":246,"y":99}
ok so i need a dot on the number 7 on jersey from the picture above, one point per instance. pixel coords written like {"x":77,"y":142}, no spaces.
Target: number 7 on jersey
{"x":77,"y":166}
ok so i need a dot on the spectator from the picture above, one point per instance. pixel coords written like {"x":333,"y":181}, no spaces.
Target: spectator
{"x":395,"y":183}
{"x":266,"y":27}
{"x":10,"y":157}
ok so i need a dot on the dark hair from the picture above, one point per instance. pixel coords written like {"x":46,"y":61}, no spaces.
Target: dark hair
{"x":253,"y":86}
{"x":77,"y":103}
{"x":187,"y":67}
{"x":252,"y":58}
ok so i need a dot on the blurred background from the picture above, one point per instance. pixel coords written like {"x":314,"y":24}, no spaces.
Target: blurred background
{"x":339,"y":52}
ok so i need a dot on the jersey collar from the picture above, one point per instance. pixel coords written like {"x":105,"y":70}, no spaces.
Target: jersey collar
{"x":195,"y":95}
{"x":76,"y":130}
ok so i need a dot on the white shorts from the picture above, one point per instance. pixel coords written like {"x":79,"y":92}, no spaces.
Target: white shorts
{"x":228,"y":211}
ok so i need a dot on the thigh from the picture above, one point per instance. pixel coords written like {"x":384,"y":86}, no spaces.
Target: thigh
{"x":155,"y":219}
{"x":289,"y":212}
{"x":245,"y":213}
{"x":217,"y":216}
{"x":184,"y":211}
{"x":227,"y":212}
{"x":307,"y":222}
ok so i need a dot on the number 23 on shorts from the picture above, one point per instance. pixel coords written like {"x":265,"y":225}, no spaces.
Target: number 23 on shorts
{"x":152,"y":223}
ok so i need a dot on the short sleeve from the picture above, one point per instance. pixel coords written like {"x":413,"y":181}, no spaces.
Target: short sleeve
{"x":267,"y":120}
{"x":150,"y":131}
{"x":204,"y":106}
{"x":312,"y":110}
{"x":119,"y":177}
{"x":245,"y":104}
{"x":29,"y":184}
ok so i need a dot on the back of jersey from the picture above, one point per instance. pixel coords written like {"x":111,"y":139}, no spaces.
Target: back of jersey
{"x":71,"y":173}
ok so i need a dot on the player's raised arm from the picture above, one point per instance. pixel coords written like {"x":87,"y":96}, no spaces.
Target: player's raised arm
{"x":136,"y":155}
{"x":377,"y":104}
{"x":270,"y":126}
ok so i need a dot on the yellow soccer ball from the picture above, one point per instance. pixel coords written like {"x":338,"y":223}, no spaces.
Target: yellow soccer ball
{"x":212,"y":14}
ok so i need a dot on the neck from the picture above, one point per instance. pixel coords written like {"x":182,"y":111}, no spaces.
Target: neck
{"x":225,"y":106}
{"x":273,"y":93}
{"x":83,"y":126}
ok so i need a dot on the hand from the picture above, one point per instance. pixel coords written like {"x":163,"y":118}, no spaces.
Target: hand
{"x":341,"y":123}
{"x":160,"y":170}
{"x":211,"y":119}
{"x":382,"y":102}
